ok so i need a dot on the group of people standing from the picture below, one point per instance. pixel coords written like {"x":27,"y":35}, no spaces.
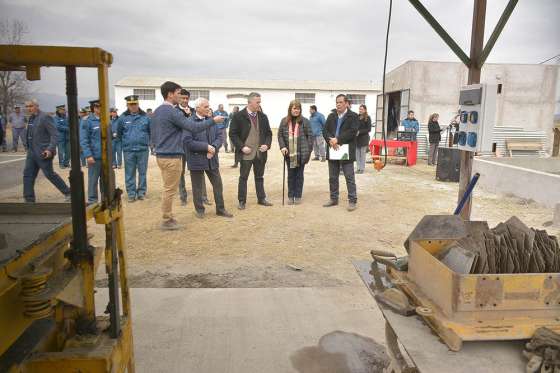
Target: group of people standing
{"x":183,"y":137}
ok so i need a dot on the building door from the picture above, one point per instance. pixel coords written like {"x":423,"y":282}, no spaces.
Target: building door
{"x":405,"y":103}
{"x":379,"y":115}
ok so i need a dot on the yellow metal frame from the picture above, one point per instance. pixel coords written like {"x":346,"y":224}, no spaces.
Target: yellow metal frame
{"x":71,"y":354}
{"x":465,"y":307}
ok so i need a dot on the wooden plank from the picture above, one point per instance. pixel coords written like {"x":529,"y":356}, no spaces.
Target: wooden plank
{"x":429,"y":354}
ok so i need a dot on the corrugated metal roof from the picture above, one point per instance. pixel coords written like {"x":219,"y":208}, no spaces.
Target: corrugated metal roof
{"x":192,"y":83}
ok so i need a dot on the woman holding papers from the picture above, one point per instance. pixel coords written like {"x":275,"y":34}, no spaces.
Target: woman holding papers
{"x":295,"y":140}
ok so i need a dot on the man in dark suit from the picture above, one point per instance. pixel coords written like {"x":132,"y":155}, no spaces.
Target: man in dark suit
{"x":250,"y":134}
{"x":341,"y":128}
{"x":42,"y":138}
{"x":203,"y":148}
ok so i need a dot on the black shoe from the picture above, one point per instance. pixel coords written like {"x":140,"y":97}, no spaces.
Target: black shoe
{"x":264,"y":202}
{"x":351,"y":206}
{"x":241,"y":206}
{"x":331,"y":203}
{"x":233,"y":165}
{"x":224,"y":213}
{"x":207,"y":202}
{"x":199,"y":214}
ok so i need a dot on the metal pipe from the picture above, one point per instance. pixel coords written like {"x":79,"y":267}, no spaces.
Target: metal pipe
{"x":109,"y":202}
{"x":77,"y":189}
{"x":81,"y":253}
{"x":467,"y":194}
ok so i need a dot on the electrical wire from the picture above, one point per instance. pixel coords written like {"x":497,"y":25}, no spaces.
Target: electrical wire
{"x":383,"y":122}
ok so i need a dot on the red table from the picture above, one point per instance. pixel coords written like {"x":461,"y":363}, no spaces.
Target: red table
{"x":411,"y":147}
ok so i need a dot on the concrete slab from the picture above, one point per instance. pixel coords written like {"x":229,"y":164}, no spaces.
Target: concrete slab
{"x":256,"y":330}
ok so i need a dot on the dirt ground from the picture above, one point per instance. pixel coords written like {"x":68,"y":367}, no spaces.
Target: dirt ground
{"x":262,"y":246}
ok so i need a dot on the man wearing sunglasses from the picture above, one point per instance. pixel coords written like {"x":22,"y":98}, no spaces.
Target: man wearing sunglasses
{"x":42,"y":138}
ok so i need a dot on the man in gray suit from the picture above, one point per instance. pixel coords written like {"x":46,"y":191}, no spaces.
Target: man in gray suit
{"x":41,"y":143}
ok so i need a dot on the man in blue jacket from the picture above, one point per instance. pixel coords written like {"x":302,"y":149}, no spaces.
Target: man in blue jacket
{"x":133,"y":132}
{"x":167,"y":129}
{"x":116,"y":143}
{"x":410,"y":123}
{"x":224,"y":126}
{"x":203,"y":148}
{"x":317,"y":121}
{"x":90,"y":142}
{"x":41,"y":140}
{"x":63,"y":136}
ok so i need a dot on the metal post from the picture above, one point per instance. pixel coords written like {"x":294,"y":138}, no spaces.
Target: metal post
{"x":109,"y":202}
{"x":77,"y":191}
{"x":81,"y":254}
{"x":477,"y":41}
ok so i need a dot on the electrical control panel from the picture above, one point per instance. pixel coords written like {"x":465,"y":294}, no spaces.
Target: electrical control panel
{"x":478,"y":115}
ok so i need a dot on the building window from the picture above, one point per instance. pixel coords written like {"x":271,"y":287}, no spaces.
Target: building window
{"x":197,"y":93}
{"x":357,"y":99}
{"x":145,"y":94}
{"x":306,"y":98}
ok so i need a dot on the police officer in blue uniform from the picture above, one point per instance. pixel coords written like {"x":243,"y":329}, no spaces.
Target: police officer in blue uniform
{"x":90,"y":142}
{"x":133,"y":131}
{"x":63,"y":129}
{"x":117,"y":144}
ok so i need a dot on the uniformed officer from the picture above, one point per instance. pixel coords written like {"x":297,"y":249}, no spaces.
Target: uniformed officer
{"x":63,"y":136}
{"x":90,"y":142}
{"x":117,"y":144}
{"x":133,"y":131}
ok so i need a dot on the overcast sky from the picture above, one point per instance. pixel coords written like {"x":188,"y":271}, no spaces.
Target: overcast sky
{"x":288,"y":39}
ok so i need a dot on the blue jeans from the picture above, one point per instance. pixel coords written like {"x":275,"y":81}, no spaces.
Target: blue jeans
{"x":94,"y":173}
{"x":117,"y":153}
{"x":135,"y":162}
{"x":32,"y":166}
{"x":18,"y":133}
{"x":64,"y":153}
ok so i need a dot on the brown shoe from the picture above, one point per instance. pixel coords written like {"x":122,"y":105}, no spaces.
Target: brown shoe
{"x":169,"y":225}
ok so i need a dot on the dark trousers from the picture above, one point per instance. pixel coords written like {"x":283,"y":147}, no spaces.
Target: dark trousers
{"x":94,"y":173}
{"x":199,"y":189}
{"x":63,"y":153}
{"x":258,"y":165}
{"x":295,"y":181}
{"x":183,"y":187}
{"x":334,"y":174}
{"x":32,"y":166}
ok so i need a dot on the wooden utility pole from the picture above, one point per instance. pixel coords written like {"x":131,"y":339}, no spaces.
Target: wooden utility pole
{"x":474,"y":63}
{"x":477,"y":45}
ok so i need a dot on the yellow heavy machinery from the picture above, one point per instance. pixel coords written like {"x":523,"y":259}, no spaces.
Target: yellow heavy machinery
{"x":48,"y":319}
